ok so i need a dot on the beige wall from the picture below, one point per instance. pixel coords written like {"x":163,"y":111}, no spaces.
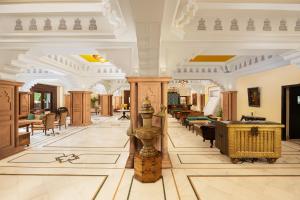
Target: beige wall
{"x":270,"y":83}
{"x":60,"y":96}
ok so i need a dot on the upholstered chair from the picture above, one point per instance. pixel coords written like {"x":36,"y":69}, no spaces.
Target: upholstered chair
{"x":48,"y":123}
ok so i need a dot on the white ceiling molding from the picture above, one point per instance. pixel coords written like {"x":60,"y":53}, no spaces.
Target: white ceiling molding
{"x":29,"y":8}
{"x":201,"y":17}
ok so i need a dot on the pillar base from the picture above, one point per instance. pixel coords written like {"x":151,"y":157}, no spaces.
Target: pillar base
{"x":130,"y":161}
{"x":147,"y":169}
{"x":166,"y":162}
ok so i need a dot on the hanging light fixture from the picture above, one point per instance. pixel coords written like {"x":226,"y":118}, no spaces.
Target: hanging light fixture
{"x":182,"y":83}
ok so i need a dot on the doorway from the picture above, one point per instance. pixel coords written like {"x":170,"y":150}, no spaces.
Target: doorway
{"x":44,"y":98}
{"x":291,"y":112}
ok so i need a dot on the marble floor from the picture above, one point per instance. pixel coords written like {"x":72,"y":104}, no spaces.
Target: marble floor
{"x":88,"y":163}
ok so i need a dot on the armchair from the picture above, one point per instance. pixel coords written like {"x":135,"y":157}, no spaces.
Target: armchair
{"x":48,"y":123}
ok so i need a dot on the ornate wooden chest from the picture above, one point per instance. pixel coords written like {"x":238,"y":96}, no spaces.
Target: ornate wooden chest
{"x":241,"y":140}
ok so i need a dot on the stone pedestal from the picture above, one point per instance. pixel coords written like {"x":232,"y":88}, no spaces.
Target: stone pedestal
{"x":156,"y":89}
{"x":147,"y":169}
{"x":80,"y":109}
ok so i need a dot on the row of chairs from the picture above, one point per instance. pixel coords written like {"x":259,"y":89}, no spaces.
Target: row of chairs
{"x":50,"y":121}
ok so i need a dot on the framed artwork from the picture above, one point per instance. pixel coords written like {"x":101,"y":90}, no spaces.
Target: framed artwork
{"x":194,"y":99}
{"x":254,"y":97}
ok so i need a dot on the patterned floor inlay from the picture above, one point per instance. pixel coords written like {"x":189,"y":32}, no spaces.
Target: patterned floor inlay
{"x":94,"y":138}
{"x":89,"y":163}
{"x":77,"y":159}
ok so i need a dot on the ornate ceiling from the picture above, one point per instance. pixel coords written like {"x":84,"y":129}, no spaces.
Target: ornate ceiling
{"x":219,"y":40}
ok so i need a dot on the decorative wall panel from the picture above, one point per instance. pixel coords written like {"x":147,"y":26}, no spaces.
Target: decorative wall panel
{"x":24,"y":102}
{"x":9,"y":109}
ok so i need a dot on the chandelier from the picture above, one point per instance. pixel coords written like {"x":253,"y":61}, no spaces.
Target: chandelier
{"x":182,"y":83}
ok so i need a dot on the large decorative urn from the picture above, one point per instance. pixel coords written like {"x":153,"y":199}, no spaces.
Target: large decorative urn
{"x":147,"y":162}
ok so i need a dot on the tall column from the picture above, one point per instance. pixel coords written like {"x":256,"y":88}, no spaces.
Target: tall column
{"x":80,"y":108}
{"x":166,"y":162}
{"x":229,"y":105}
{"x":67,"y":103}
{"x":155,"y":88}
{"x":106,"y":105}
{"x":133,"y":124}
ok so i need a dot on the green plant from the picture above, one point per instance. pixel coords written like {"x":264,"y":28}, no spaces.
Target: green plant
{"x":93,"y":101}
{"x":220,"y":113}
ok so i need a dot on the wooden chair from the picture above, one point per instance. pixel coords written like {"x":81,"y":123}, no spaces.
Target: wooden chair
{"x":48,"y":123}
{"x":62,"y":120}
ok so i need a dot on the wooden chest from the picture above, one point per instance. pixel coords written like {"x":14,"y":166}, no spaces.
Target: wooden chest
{"x":147,"y":169}
{"x":241,"y":140}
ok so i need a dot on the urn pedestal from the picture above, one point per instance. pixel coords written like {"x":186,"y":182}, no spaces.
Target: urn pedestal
{"x":147,"y":169}
{"x":148,"y":161}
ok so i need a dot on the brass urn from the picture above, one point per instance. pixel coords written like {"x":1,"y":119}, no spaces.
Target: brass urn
{"x":147,"y":133}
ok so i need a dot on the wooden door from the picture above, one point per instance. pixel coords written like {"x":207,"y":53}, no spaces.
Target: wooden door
{"x":294,"y":112}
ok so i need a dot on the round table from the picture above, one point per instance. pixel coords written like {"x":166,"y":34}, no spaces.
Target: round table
{"x":124,"y":116}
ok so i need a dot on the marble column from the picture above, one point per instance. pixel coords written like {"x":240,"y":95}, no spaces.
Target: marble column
{"x":166,"y":162}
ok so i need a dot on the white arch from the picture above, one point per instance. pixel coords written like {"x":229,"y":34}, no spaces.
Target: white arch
{"x":29,"y":81}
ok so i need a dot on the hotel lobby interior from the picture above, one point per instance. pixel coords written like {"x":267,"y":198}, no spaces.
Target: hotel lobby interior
{"x":149,"y":99}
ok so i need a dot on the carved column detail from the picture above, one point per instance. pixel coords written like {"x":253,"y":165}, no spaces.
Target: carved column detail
{"x":155,"y":88}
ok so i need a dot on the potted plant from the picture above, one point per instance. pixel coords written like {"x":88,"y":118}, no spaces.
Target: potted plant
{"x":220,"y":113}
{"x":93,"y":102}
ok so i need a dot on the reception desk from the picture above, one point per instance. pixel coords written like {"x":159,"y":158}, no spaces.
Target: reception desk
{"x":240,"y":140}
